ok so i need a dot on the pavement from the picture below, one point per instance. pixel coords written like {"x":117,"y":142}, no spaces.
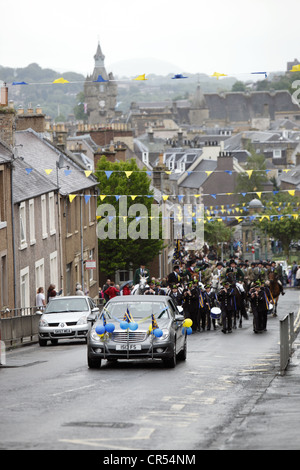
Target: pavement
{"x":273,"y":419}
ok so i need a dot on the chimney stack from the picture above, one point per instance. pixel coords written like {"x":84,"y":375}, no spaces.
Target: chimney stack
{"x":4,"y":95}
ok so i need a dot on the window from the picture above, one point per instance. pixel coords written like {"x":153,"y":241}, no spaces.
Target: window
{"x":52,"y":214}
{"x":22,"y":211}
{"x":3,"y":281}
{"x":91,"y":274}
{"x":24,"y":288}
{"x":31,"y":222}
{"x":39,"y":274}
{"x":2,"y":197}
{"x":53,"y":269}
{"x":44,"y":216}
{"x":277,"y":153}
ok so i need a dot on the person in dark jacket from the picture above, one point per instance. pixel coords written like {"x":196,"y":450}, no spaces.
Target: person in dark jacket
{"x":259,"y":307}
{"x":227,"y":301}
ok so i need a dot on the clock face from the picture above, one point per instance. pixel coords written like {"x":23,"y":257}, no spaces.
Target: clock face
{"x":101,"y":104}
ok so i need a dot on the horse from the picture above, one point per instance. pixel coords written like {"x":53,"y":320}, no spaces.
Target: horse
{"x":275,"y":291}
{"x":140,"y":288}
{"x":216,"y":283}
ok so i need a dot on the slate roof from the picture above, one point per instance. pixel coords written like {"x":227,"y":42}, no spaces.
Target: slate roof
{"x":6,"y":154}
{"x":292,"y":177}
{"x":231,"y":106}
{"x":29,"y":185}
{"x":195,"y":180}
{"x":40,"y":155}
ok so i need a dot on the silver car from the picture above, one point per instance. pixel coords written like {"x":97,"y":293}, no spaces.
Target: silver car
{"x":137,"y":327}
{"x":66,"y":318}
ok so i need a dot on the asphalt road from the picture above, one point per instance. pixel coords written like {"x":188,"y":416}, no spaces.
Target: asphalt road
{"x":51,"y":400}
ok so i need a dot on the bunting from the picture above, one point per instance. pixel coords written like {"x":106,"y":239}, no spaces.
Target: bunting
{"x":142,"y":77}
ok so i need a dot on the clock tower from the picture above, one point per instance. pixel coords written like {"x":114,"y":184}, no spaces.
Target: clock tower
{"x":100,"y":92}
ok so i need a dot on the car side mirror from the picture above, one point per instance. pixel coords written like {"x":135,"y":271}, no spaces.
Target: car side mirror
{"x":91,"y":317}
{"x":179,"y":317}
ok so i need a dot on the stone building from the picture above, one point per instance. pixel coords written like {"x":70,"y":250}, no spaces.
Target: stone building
{"x":100,"y":92}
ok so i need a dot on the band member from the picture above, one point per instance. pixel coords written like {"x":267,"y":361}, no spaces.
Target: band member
{"x":219,"y":271}
{"x":234,"y":273}
{"x":227,"y":300}
{"x":174,"y":277}
{"x":202,"y":310}
{"x":259,"y":307}
{"x":269,"y":300}
{"x":210,"y":300}
{"x":194,"y":305}
{"x":260,"y":273}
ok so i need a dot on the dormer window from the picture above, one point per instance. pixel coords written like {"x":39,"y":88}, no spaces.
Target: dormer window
{"x":277,"y":153}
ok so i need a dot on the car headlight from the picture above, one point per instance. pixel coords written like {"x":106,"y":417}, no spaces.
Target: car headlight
{"x":82,"y":320}
{"x":94,"y":336}
{"x":165,"y":335}
{"x":43,"y":322}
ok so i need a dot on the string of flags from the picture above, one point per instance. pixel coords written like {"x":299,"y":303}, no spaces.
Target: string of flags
{"x":128,"y":173}
{"x":142,"y":77}
{"x":180,"y":197}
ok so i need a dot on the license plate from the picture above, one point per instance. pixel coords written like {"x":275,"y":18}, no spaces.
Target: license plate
{"x":57,"y":332}
{"x":130,"y":347}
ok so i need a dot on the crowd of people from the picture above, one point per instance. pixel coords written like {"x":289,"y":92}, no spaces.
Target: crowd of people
{"x":212,"y":293}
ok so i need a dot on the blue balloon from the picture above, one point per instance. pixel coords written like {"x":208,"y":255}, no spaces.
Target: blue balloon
{"x":189,"y":331}
{"x":109,"y":327}
{"x":158,"y":332}
{"x":124,"y":325}
{"x":100,"y":329}
{"x":133,"y":326}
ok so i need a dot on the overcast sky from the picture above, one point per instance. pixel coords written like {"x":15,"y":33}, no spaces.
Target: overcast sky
{"x":197,"y":36}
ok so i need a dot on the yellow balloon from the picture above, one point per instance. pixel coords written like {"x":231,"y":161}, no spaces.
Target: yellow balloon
{"x":187,"y":322}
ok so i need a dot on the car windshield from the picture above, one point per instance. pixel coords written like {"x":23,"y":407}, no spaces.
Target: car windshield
{"x":67,"y":305}
{"x":137,"y":310}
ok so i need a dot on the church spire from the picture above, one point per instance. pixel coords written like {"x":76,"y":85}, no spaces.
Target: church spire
{"x":99,"y":57}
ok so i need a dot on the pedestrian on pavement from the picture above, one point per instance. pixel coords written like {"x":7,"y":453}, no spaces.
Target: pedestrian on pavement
{"x":40,"y":299}
{"x":78,"y":289}
{"x":294,"y":272}
{"x":298,"y":277}
{"x":52,"y":292}
{"x":112,"y":291}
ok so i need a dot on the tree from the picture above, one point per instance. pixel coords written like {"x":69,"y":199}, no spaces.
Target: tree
{"x":249,"y":183}
{"x":123,"y":250}
{"x":281,"y":220}
{"x":216,"y":232}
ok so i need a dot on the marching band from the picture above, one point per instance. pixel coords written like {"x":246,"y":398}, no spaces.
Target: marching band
{"x":215,"y":294}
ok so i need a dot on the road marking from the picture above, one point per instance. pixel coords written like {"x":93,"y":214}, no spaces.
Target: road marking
{"x":177,"y":407}
{"x":142,"y":434}
{"x":72,"y":390}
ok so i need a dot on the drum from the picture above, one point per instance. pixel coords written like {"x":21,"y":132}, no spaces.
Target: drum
{"x":215,"y":313}
{"x":270,"y":308}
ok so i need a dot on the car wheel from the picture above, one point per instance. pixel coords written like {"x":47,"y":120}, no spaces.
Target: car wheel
{"x":94,"y":363}
{"x":183,"y":353}
{"x":42,"y":342}
{"x":171,"y":362}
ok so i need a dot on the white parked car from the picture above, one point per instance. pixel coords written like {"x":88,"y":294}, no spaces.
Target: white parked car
{"x":66,"y":318}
